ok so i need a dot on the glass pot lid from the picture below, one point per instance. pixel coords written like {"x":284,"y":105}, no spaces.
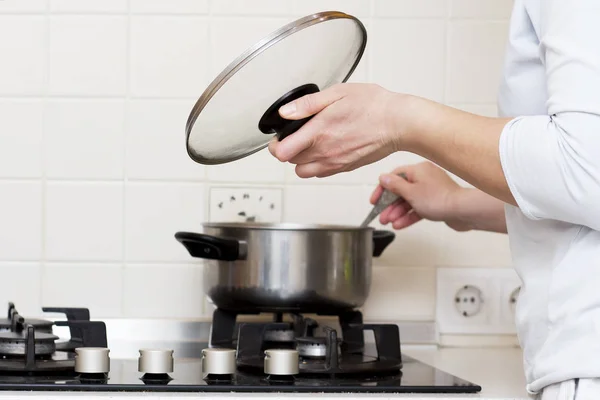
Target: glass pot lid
{"x":237,"y":115}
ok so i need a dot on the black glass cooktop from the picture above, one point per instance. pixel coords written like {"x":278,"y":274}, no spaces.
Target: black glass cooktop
{"x":415,"y":377}
{"x":31,"y":359}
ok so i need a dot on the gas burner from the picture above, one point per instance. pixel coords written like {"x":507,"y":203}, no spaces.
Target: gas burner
{"x":325,"y":355}
{"x":29,"y":346}
{"x":7,"y":325}
{"x":314,"y":347}
{"x":225,"y":329}
{"x":39,"y":324}
{"x":15,"y":343}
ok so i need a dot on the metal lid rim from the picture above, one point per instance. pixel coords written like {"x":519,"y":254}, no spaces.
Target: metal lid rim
{"x":251,"y":53}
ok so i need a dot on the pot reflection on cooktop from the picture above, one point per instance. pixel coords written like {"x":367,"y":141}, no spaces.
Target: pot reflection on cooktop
{"x":187,"y":377}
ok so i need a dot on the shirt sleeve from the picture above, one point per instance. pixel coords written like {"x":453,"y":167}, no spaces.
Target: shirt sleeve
{"x":552,"y":162}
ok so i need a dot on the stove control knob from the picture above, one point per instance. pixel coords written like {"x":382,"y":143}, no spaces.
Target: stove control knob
{"x":281,"y":362}
{"x":218,"y":362}
{"x":155,"y":361}
{"x":92,"y":360}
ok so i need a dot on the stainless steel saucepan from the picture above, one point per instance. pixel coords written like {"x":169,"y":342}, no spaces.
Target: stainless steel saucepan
{"x":279,"y":267}
{"x":286,"y":267}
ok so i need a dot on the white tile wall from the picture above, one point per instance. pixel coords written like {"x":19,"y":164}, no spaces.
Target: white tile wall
{"x":23,"y":7}
{"x":155,"y":131}
{"x":88,"y":6}
{"x":95,"y":178}
{"x":254,"y":7}
{"x":24,"y":50}
{"x":410,"y":8}
{"x":169,"y":7}
{"x":414,"y":51}
{"x":359,"y":8}
{"x":24,"y":286}
{"x":154,"y":212}
{"x":21,"y":216}
{"x":96,"y":286}
{"x":167,"y":57}
{"x":232,"y":35}
{"x":21,"y":138}
{"x":475,"y":53}
{"x":88,"y":55}
{"x":480,"y":9}
{"x":398,"y":286}
{"x":84,"y":221}
{"x":163,"y":289}
{"x":94,"y":131}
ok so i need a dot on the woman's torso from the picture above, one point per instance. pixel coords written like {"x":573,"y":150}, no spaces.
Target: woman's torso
{"x":558,"y":312}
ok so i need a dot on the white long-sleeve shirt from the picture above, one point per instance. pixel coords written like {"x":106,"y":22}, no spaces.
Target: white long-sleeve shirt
{"x":550,"y":154}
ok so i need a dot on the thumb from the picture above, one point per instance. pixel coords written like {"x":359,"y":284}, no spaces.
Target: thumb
{"x":310,"y":104}
{"x":396,"y":184}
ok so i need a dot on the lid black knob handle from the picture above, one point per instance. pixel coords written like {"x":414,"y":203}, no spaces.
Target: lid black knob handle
{"x":271,"y":122}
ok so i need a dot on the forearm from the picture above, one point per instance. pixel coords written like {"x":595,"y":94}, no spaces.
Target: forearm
{"x":477,"y":210}
{"x":462,"y":143}
{"x":547,"y":165}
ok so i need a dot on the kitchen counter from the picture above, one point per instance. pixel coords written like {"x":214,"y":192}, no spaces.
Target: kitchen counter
{"x":499,"y":371}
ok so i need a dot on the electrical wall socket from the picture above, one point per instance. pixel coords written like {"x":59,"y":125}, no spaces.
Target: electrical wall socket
{"x":476,"y":300}
{"x":245,"y":204}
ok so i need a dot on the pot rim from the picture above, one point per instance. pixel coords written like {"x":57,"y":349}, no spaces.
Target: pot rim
{"x":286,"y":226}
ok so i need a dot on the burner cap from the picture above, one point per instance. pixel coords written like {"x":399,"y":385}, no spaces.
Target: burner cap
{"x":14,"y":343}
{"x":313,"y":347}
{"x":279,"y":335}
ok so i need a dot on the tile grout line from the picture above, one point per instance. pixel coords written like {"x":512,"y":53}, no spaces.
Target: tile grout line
{"x":126,"y":133}
{"x":208,"y":75}
{"x":44,"y":140}
{"x":369,"y":66}
{"x":211,"y":14}
{"x":207,"y":183}
{"x":446,"y":50}
{"x":477,"y":19}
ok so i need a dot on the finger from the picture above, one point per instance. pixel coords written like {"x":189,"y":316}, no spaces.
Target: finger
{"x":384,"y":215}
{"x":305,"y":157}
{"x":311,"y":104}
{"x":309,"y":170}
{"x":399,"y":210}
{"x":406,"y":220}
{"x":396,"y":184}
{"x":376,"y":194}
{"x":408,"y":172}
{"x":394,"y":212}
{"x":273,"y":146}
{"x":298,"y":142}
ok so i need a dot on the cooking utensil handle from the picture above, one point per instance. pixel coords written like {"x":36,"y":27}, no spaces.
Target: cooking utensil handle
{"x":385,"y":200}
{"x":212,"y":247}
{"x":381,"y":240}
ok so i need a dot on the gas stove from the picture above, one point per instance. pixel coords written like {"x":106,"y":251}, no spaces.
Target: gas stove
{"x":295,"y":354}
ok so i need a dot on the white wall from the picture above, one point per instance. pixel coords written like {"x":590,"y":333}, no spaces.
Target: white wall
{"x":94,"y":177}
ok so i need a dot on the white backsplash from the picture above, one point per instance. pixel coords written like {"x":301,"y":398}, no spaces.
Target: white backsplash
{"x":95,"y":179}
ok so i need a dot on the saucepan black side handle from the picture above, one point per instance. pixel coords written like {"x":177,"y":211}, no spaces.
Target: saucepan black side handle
{"x":381,"y":240}
{"x":212,"y":247}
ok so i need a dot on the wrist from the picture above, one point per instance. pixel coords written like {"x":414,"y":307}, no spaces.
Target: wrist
{"x":459,"y":217}
{"x":406,"y":123}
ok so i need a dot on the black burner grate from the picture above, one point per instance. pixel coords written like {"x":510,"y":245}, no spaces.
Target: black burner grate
{"x":28,"y":346}
{"x":332,"y":355}
{"x":338,"y":360}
